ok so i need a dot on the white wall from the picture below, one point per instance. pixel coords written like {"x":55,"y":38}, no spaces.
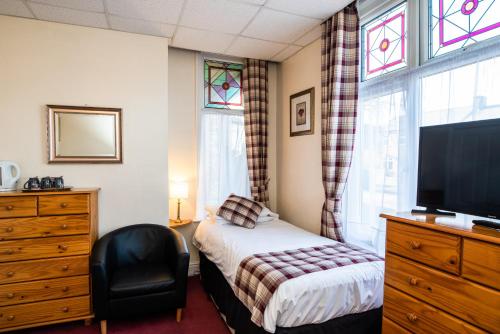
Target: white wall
{"x":300,"y":189}
{"x":49,"y":63}
{"x":182,"y":130}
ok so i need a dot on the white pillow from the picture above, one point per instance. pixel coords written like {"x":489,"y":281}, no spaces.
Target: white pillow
{"x":266,"y":215}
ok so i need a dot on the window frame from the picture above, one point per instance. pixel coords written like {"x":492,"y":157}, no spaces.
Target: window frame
{"x":200,"y":82}
{"x":425,"y":30}
{"x":412,"y":38}
{"x":417,"y":36}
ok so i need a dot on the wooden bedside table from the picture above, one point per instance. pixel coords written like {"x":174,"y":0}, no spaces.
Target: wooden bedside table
{"x":187,"y":227}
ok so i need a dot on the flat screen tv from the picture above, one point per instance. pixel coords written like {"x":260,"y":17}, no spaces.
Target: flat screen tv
{"x":459,"y":168}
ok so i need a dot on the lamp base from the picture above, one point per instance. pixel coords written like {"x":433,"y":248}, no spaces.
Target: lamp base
{"x":173,"y":223}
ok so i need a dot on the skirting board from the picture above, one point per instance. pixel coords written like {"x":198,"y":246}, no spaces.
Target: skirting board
{"x":194,"y":269}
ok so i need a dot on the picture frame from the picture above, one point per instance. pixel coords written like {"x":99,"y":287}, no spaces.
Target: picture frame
{"x":84,"y":134}
{"x":302,"y":113}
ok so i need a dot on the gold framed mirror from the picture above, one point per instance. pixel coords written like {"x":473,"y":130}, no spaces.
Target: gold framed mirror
{"x":84,"y":134}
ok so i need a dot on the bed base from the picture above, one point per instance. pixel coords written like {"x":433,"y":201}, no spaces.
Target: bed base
{"x":237,"y":316}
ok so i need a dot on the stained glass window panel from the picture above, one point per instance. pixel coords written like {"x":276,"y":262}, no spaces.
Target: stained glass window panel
{"x":384,"y":43}
{"x":223,"y":85}
{"x":455,"y":24}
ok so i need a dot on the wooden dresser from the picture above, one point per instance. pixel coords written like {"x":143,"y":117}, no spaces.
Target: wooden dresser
{"x":45,"y":244}
{"x":441,"y":276}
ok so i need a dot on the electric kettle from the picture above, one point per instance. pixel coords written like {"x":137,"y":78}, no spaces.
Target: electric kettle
{"x":9,"y":175}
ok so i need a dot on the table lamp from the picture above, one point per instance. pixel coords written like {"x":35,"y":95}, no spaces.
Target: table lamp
{"x":178,"y":190}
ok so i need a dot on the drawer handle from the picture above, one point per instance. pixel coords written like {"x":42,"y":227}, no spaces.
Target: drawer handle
{"x":64,"y":227}
{"x":412,"y":317}
{"x":10,"y":295}
{"x":415,"y":245}
{"x":65,"y":267}
{"x":65,"y":309}
{"x":11,"y":317}
{"x":9,"y":207}
{"x":453,"y":260}
{"x":64,"y":205}
{"x":65,"y":289}
{"x":63,"y":247}
{"x":413,"y":280}
{"x":10,"y":274}
{"x":9,"y":229}
{"x":9,"y":252}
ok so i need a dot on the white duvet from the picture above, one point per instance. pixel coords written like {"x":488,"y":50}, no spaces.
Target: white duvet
{"x":308,"y":299}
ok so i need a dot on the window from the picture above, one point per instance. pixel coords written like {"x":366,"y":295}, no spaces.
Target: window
{"x":383,"y":176}
{"x":222,"y":159}
{"x":384,"y":43}
{"x":223,"y":85}
{"x":455,"y":24}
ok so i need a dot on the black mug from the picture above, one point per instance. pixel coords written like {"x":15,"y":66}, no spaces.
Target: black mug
{"x":58,"y":182}
{"x":32,"y":183}
{"x":46,"y":182}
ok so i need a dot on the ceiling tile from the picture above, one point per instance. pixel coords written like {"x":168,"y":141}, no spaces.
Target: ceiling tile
{"x":254,"y":48}
{"x":320,"y":9}
{"x":15,"y":8}
{"x":288,"y":52}
{"x":141,"y":26}
{"x":71,"y":16}
{"x":218,"y":15}
{"x":89,"y":5}
{"x":166,"y":11}
{"x":309,"y":37}
{"x":279,"y":27}
{"x":202,"y":40}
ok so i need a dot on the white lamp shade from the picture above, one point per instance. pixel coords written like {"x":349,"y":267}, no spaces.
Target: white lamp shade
{"x":179,"y":190}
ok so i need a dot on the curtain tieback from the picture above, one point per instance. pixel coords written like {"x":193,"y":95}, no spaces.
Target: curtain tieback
{"x":333,"y":205}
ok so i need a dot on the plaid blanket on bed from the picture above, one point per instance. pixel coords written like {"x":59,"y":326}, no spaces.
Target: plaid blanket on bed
{"x":260,"y":275}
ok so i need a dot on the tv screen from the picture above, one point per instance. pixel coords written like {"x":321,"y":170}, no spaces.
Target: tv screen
{"x":459,"y":168}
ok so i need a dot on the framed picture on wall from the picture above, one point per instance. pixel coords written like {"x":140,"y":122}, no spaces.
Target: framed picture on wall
{"x":302,"y":113}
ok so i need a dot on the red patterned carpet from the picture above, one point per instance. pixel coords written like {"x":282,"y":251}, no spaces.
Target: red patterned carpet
{"x":200,"y":316}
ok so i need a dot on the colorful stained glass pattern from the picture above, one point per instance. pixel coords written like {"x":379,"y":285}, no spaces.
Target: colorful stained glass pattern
{"x":455,"y":24}
{"x":384,"y":43}
{"x":223,"y":85}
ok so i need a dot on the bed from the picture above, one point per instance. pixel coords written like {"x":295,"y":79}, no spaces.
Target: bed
{"x":344,"y":300}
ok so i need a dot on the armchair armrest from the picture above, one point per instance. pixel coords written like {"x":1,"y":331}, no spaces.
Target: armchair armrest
{"x":178,"y":260}
{"x":101,"y":269}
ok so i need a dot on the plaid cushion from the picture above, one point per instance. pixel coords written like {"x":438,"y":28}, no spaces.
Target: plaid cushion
{"x":240,"y":211}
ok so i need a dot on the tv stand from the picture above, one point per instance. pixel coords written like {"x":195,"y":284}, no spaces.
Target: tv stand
{"x":433,"y":211}
{"x":486,"y":223}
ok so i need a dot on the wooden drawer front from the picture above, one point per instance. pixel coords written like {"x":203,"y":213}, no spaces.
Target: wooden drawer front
{"x":63,"y":204}
{"x":390,"y":327}
{"x":19,"y":315}
{"x":439,"y":250}
{"x":481,"y":263}
{"x":20,"y":293}
{"x":30,"y":249}
{"x":418,"y":317}
{"x":466,"y":300}
{"x":43,"y":269}
{"x":17,"y":228}
{"x":22,"y":206}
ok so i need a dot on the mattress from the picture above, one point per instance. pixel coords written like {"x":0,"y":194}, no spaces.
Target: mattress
{"x":309,"y":299}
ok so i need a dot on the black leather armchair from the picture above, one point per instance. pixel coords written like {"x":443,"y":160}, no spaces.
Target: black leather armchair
{"x":139,"y":269}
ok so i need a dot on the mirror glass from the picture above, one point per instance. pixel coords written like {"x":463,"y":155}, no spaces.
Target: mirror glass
{"x":85,"y":135}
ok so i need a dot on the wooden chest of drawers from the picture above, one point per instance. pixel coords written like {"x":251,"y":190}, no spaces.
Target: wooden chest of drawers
{"x":441,"y":276}
{"x":45,"y":244}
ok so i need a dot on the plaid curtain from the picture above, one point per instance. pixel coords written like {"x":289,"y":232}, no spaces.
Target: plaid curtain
{"x":339,"y":97}
{"x":255,"y":92}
